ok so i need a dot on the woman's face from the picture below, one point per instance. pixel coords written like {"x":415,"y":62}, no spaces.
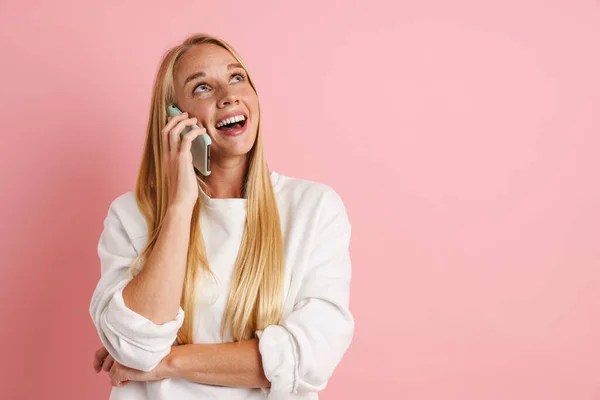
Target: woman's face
{"x":211,"y":86}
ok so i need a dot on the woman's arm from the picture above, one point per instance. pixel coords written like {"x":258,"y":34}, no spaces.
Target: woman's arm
{"x":222,"y":364}
{"x":139,"y":335}
{"x":155,"y":292}
{"x":300,"y":354}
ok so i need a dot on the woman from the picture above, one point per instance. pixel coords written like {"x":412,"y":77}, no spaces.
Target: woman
{"x":257,"y":262}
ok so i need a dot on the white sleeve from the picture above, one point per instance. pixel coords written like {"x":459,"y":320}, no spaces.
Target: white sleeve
{"x":301,"y":353}
{"x":133,"y":340}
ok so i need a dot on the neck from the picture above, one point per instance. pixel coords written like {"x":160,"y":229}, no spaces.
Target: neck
{"x":226,"y":178}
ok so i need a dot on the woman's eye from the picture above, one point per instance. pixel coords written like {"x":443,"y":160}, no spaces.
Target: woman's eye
{"x":200,"y":86}
{"x":204,"y":87}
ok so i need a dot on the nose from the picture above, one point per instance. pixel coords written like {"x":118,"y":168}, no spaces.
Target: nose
{"x":228,"y":99}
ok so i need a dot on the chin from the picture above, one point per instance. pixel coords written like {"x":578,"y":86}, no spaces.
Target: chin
{"x":235,"y":151}
{"x":231,"y":146}
{"x":240,"y":148}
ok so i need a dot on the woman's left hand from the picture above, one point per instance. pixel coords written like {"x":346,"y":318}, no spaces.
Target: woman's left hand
{"x":121,"y":375}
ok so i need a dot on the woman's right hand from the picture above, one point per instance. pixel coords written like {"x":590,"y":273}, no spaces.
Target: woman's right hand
{"x":177,"y":159}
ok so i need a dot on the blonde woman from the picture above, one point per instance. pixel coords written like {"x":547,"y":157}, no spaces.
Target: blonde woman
{"x":233,"y":285}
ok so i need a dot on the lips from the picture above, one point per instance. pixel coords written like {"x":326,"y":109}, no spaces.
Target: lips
{"x":231,"y":115}
{"x":235,"y":131}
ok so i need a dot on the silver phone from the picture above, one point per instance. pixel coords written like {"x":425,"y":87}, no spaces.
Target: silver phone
{"x":200,"y":146}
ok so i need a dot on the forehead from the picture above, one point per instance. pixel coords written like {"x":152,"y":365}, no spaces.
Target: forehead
{"x":210,"y":58}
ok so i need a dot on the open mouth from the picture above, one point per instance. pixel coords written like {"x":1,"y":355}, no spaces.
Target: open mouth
{"x":235,"y":123}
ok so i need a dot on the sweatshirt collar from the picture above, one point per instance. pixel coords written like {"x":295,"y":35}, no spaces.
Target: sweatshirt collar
{"x":231,"y":202}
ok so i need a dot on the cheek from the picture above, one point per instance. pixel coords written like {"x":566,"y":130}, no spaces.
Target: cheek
{"x":250,"y":98}
{"x":202,"y":113}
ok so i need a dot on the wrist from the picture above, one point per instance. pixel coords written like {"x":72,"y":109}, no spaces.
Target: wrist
{"x":168,"y":366}
{"x":179,"y":210}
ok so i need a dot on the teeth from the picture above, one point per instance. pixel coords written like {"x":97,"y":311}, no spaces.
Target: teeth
{"x":231,"y":120}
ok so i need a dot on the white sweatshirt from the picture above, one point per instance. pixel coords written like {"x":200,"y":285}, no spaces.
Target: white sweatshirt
{"x":298,"y":356}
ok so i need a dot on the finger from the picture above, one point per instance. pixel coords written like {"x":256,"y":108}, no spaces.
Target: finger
{"x":99,"y":357}
{"x":186,"y":143}
{"x":123,"y":383}
{"x":108,"y":363}
{"x":117,"y":380}
{"x":164,"y":133}
{"x":101,"y":352}
{"x":119,"y":375}
{"x":174,"y":135}
{"x":172,"y":121}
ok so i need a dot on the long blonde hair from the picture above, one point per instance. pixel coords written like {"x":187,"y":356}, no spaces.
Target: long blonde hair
{"x":256,"y":295}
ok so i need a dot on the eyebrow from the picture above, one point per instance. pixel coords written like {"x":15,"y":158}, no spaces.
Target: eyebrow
{"x":202,"y":74}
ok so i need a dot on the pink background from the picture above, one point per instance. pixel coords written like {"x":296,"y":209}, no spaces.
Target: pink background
{"x":464,"y":137}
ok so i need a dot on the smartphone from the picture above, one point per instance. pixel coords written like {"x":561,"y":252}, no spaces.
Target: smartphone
{"x":200,"y":145}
